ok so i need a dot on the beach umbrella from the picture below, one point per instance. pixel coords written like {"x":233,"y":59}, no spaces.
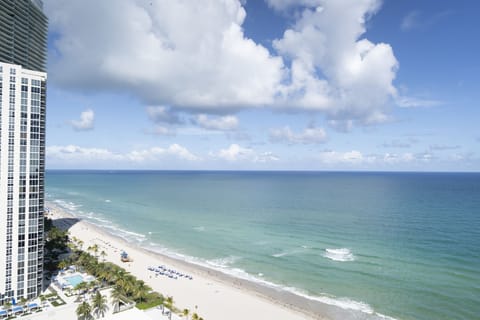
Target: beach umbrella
{"x":33,"y":305}
{"x":17,"y":309}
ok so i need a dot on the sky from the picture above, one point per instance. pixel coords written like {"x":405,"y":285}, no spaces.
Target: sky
{"x":263,"y":85}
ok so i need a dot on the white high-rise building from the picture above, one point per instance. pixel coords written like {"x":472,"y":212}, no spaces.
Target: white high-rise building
{"x":23,"y":48}
{"x":22,"y":167}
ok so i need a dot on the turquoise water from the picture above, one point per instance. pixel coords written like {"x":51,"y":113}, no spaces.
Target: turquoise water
{"x":405,"y":245}
{"x":74,"y":280}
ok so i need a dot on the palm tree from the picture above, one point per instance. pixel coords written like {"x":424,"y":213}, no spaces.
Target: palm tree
{"x":91,"y":285}
{"x":140,"y":291}
{"x":105,"y":274}
{"x":194,"y":316}
{"x":90,"y":249}
{"x":169,"y":303}
{"x":99,"y":304}
{"x":127,"y":283}
{"x":116,"y":295}
{"x":185,"y":313}
{"x":81,"y":286}
{"x":95,"y":249}
{"x":62,"y":264}
{"x":103,"y":254}
{"x":84,"y":311}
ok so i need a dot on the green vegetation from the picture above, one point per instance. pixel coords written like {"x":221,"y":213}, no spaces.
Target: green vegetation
{"x":154,"y":299}
{"x":99,"y":305}
{"x":185,"y":313}
{"x":53,"y":297}
{"x":57,"y":302}
{"x":56,"y":239}
{"x":84,"y":311}
{"x":125,"y":287}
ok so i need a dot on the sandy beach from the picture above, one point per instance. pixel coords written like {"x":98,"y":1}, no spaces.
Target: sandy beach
{"x":211,"y":294}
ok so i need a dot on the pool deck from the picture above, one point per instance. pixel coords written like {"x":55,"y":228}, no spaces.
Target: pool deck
{"x":67,"y":311}
{"x":62,"y":281}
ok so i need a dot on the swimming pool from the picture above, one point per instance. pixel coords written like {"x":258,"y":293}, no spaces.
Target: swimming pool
{"x":74,"y":280}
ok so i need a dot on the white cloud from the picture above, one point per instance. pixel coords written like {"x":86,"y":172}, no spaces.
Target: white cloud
{"x":285,"y":4}
{"x":86,"y":121}
{"x":443,"y":147}
{"x":162,"y":114}
{"x":416,"y":19}
{"x":333,"y":69}
{"x":194,"y":56}
{"x":237,"y":153}
{"x":349,"y":157}
{"x":224,"y":123}
{"x":73,"y":152}
{"x":341,"y":125}
{"x":398,"y":144}
{"x":234,"y":152}
{"x":307,"y":136}
{"x":356,"y":158}
{"x":410,"y":21}
{"x":161,"y":131}
{"x":393,"y":158}
{"x":80,"y":154}
{"x":412,"y":102}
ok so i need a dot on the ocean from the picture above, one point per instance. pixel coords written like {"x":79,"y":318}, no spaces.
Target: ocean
{"x":402,"y":245}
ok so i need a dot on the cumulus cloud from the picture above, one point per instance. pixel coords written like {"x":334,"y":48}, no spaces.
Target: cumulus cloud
{"x":281,"y":5}
{"x":162,"y":114}
{"x":333,"y":69}
{"x":86,"y":121}
{"x":237,"y":153}
{"x":224,"y":123}
{"x":307,"y":136}
{"x":70,"y":152}
{"x":77,"y":153}
{"x":191,"y":54}
{"x":194,"y":56}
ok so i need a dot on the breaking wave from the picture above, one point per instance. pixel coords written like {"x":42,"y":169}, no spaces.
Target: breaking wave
{"x":342,"y":254}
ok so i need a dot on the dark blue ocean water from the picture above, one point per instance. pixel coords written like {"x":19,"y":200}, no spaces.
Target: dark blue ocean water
{"x":406,"y":245}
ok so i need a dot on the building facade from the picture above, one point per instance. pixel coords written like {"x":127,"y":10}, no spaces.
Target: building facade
{"x":23,"y":33}
{"x":22,"y":147}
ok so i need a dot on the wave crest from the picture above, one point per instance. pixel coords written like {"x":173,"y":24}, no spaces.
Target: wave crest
{"x":342,"y":254}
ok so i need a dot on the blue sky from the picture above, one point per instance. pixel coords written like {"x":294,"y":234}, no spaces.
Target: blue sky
{"x":262,"y":85}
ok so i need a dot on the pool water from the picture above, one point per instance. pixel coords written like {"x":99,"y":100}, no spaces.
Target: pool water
{"x":74,"y":280}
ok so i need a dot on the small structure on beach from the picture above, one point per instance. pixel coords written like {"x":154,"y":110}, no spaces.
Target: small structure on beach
{"x":124,"y":257}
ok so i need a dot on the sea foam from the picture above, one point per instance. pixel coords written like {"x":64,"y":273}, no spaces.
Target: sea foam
{"x":342,"y":254}
{"x":290,"y":252}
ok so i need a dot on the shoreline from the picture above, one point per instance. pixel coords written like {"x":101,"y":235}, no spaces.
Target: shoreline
{"x":211,"y":285}
{"x":268,"y":301}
